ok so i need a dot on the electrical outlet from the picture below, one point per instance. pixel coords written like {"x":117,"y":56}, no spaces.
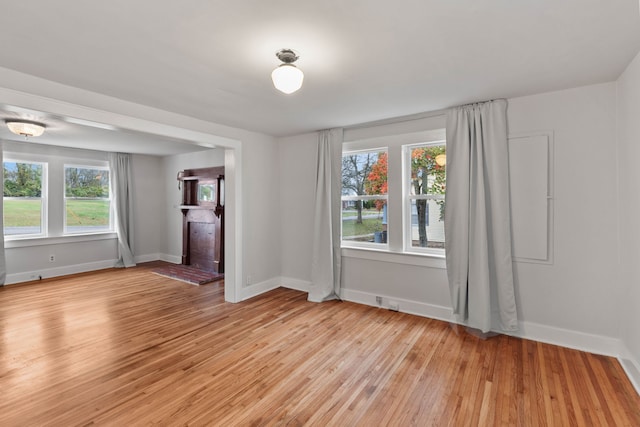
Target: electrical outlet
{"x":394,"y":306}
{"x":52,"y":258}
{"x":249,"y":280}
{"x":379,"y":301}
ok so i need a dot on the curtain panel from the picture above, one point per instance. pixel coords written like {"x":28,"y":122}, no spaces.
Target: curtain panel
{"x":326,"y":260}
{"x":121,"y":189}
{"x":477,"y":216}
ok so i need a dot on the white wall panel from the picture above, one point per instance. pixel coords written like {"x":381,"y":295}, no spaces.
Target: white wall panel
{"x":529,"y":170}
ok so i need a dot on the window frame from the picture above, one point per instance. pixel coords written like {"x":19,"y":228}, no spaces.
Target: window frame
{"x":55,"y":159}
{"x":372,"y":139}
{"x":408,"y":198}
{"x":104,"y":166}
{"x":343,"y":198}
{"x":44,"y":199}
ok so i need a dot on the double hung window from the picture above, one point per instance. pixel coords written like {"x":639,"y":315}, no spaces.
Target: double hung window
{"x":44,"y":197}
{"x":24,"y":198}
{"x":87,"y":201}
{"x":364,"y":197}
{"x":393,"y":197}
{"x":425,"y":178}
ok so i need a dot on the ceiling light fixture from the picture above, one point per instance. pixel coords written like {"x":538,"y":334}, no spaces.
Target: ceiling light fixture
{"x":25,"y":128}
{"x":287,"y":77}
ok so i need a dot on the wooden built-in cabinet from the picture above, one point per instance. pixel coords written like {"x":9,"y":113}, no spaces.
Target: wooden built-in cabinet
{"x":203,"y":218}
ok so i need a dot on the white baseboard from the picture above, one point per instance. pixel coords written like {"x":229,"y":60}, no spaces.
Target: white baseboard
{"x":147,"y":258}
{"x":406,"y":306}
{"x":631,"y":366}
{"x":28,"y":276}
{"x":296,"y":284}
{"x":551,"y":335}
{"x":256,"y":289}
{"x":174,"y":259}
{"x":576,"y":340}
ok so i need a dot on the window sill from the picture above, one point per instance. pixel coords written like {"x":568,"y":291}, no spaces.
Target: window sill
{"x":43,"y":241}
{"x":422,"y":260}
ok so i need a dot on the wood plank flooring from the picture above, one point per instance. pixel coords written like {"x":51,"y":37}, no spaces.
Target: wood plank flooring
{"x":128,"y":347}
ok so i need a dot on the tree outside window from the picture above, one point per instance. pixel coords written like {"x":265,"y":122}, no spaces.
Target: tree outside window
{"x":427,"y":185}
{"x":364,"y":193}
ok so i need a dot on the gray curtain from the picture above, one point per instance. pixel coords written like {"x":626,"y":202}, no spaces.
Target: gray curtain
{"x":3,"y":261}
{"x":477,"y":216}
{"x":121,"y":189}
{"x":326,"y":262}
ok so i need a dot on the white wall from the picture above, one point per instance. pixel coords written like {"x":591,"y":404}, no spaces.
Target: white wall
{"x":573,"y":301}
{"x":298,"y":185}
{"x":261,"y":210}
{"x":148,"y":204}
{"x":628,"y":113}
{"x":579,"y":291}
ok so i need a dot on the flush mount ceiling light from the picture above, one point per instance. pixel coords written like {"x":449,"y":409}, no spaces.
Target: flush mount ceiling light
{"x":25,"y":128}
{"x":287,"y":77}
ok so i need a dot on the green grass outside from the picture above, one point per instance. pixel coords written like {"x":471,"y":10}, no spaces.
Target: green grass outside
{"x":368,"y":227}
{"x":87,"y":212}
{"x":27,"y":213}
{"x":22,"y":213}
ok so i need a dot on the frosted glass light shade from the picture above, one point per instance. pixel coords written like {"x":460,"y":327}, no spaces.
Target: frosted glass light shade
{"x":25,"y":128}
{"x":287,"y":78}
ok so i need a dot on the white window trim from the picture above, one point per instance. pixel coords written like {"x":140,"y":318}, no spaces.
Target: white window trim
{"x":58,"y":160}
{"x":352,"y":243}
{"x":43,"y":241}
{"x":395,"y":250}
{"x":408,"y":197}
{"x":44,"y":191}
{"x":97,"y":165}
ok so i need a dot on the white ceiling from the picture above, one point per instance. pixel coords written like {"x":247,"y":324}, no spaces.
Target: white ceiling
{"x":364,"y":60}
{"x":74,"y":133}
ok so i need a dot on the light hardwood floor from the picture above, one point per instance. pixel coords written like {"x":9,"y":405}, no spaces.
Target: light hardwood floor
{"x":128,"y":347}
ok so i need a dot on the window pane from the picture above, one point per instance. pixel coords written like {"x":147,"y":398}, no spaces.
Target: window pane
{"x":22,"y":198}
{"x":364,"y":174}
{"x":427,"y":223}
{"x":428,"y":170}
{"x":87,"y":215}
{"x":86,"y":182}
{"x":368,"y":224}
{"x":22,"y":216}
{"x":427,"y":177}
{"x":87,"y":201}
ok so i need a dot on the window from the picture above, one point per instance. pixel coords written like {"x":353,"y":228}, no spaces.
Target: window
{"x":24,"y":198}
{"x":393,"y":195}
{"x":55,"y":194}
{"x":86,"y":199}
{"x":425,"y":178}
{"x":364,"y":198}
